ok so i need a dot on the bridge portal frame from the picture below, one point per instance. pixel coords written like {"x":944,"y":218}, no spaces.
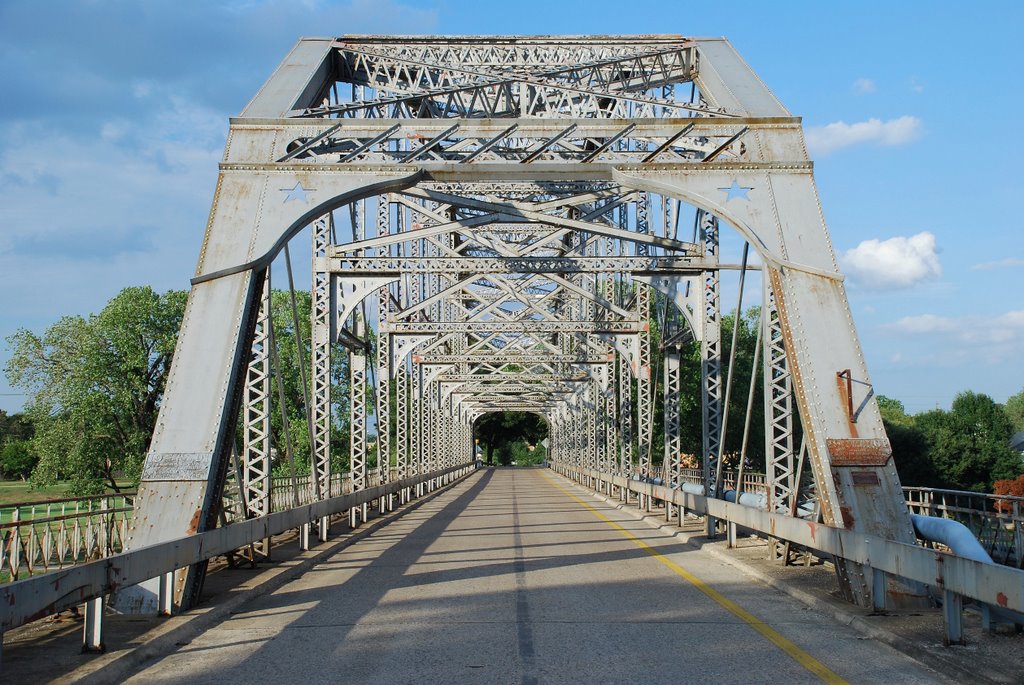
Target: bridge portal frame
{"x":268,"y":190}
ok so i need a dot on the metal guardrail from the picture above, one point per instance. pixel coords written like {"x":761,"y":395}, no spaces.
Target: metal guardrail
{"x":284,"y":492}
{"x":33,"y":598}
{"x":41,"y":537}
{"x":996,"y":520}
{"x":994,"y":586}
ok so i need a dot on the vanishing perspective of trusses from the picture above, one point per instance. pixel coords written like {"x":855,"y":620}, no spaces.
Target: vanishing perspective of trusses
{"x":510,"y":216}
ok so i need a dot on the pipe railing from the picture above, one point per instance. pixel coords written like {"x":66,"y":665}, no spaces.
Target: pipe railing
{"x":26,"y":600}
{"x":996,"y":588}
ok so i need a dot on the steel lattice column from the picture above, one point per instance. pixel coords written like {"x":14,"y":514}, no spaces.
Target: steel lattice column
{"x":255,"y":456}
{"x":645,"y":399}
{"x":711,"y":358}
{"x":778,"y":415}
{"x":357,"y":424}
{"x":673,"y":432}
{"x":322,"y":294}
{"x":384,"y":418}
{"x":625,"y":415}
{"x":402,"y":390}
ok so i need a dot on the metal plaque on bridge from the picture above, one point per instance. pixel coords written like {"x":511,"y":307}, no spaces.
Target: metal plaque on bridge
{"x":859,"y":451}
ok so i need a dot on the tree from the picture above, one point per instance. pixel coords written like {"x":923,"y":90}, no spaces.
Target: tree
{"x":14,"y":427}
{"x":95,"y":386}
{"x":909,"y":445}
{"x":502,"y":430}
{"x":17,"y":459}
{"x":1014,"y":409}
{"x":969,"y":445}
{"x":691,"y":414}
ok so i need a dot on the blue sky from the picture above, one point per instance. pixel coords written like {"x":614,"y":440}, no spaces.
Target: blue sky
{"x":113,"y":118}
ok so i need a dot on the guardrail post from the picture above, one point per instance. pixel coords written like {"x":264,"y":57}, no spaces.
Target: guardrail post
{"x":165,"y":603}
{"x":92,"y":629}
{"x":952,"y":613}
{"x":877,"y":588}
{"x":986,"y":618}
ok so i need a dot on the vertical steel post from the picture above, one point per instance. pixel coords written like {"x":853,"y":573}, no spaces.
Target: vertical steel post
{"x":357,"y":424}
{"x":92,"y":627}
{"x":711,"y":362}
{"x":778,"y":419}
{"x":673,"y":432}
{"x":322,"y":336}
{"x":255,"y":485}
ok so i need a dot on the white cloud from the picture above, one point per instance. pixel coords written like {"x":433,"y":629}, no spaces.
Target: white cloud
{"x":822,"y":140}
{"x":863,"y":86}
{"x":898,"y":262}
{"x":991,"y":339}
{"x":924,"y":323}
{"x":1008,"y":263}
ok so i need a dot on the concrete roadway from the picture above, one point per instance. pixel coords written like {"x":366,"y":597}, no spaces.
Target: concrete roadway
{"x":517,"y":576}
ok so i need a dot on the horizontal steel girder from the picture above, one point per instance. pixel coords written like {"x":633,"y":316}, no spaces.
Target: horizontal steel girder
{"x":514,"y":326}
{"x":520,"y":359}
{"x":485,"y":265}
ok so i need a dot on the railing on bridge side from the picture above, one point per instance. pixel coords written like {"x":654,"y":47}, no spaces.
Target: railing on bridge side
{"x":996,"y":520}
{"x":89,"y":583}
{"x":39,"y":537}
{"x":999,"y":590}
{"x":284,"y":491}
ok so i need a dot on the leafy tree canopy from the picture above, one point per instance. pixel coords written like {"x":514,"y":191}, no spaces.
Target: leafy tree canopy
{"x":1014,"y":408}
{"x":95,"y":385}
{"x":969,"y":445}
{"x":501,"y":430}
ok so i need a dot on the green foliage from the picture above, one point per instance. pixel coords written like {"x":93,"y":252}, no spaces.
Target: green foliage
{"x":909,"y":444}
{"x":500,"y":432}
{"x":1014,"y":409}
{"x":14,"y":427}
{"x":17,"y":459}
{"x":95,"y":386}
{"x":691,"y":413}
{"x":969,"y":445}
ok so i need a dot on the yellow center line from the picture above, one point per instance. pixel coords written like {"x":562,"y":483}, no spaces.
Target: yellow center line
{"x":800,"y":656}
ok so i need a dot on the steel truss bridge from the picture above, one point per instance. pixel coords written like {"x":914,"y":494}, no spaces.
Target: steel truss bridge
{"x":516,"y":223}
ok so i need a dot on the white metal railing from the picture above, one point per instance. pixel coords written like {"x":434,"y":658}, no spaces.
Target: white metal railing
{"x":996,"y":520}
{"x":32,"y":598}
{"x":995,"y":587}
{"x":39,"y":537}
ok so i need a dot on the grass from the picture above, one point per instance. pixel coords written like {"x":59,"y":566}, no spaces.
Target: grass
{"x":19,"y":491}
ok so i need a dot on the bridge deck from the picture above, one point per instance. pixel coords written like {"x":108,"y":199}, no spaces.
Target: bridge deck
{"x":516,"y":576}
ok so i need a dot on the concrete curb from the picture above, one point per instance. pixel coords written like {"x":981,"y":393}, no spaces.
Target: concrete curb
{"x":946,"y":668}
{"x":190,"y":625}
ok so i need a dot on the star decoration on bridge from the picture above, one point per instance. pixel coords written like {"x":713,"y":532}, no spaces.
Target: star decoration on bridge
{"x":736,"y":190}
{"x":297,"y":193}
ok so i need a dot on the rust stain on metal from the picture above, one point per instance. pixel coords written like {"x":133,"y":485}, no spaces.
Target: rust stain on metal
{"x":814,"y":531}
{"x":865,"y":478}
{"x":1001,"y":599}
{"x":848,"y":519}
{"x":859,"y":451}
{"x":193,"y":526}
{"x":844,"y":384}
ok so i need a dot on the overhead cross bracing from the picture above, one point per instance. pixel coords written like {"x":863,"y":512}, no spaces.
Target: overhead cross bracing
{"x":519,"y":223}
